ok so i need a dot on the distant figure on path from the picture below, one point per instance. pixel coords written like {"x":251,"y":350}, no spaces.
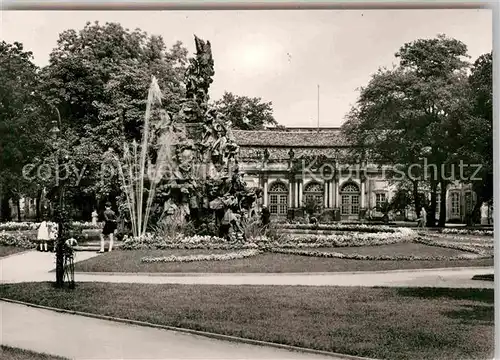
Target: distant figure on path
{"x":109,"y":226}
{"x":423,"y":218}
{"x":94,"y":217}
{"x":484,"y":214}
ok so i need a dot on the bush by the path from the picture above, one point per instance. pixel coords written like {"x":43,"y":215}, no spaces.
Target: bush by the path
{"x":16,"y":239}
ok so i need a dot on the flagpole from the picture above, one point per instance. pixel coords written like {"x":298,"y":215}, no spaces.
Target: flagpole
{"x":318,"y":108}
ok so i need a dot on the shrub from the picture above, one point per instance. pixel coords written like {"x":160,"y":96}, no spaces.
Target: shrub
{"x":16,"y":239}
{"x":343,"y":227}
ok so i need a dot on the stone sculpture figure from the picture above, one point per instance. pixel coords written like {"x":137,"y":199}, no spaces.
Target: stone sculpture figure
{"x":215,"y":147}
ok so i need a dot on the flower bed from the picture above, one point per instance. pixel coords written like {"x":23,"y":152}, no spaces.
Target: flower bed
{"x":23,"y":226}
{"x":467,"y":232}
{"x":152,"y":242}
{"x":86,"y":225}
{"x":468,"y":239}
{"x":336,"y":240}
{"x":340,"y":227}
{"x":451,"y":245}
{"x":337,"y":255}
{"x":16,"y":239}
{"x":203,"y":257}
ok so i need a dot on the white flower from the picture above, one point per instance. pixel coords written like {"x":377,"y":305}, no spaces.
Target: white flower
{"x":202,"y":257}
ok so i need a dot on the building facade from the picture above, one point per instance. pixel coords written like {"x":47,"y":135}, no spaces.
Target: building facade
{"x":299,"y":166}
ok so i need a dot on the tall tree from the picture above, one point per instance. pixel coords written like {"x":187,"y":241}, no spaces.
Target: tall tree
{"x":23,"y":121}
{"x":246,"y":113}
{"x":477,"y":131}
{"x":413,"y":112}
{"x":98,"y":78}
{"x":442,"y":92}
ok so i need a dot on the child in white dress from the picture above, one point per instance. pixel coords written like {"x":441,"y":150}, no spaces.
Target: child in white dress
{"x":43,"y":236}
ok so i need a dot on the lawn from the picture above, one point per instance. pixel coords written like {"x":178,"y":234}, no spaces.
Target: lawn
{"x":130,"y":261}
{"x":382,"y":323}
{"x":9,"y":353}
{"x":9,"y":250}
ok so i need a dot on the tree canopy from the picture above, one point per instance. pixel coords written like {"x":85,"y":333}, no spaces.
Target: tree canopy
{"x":98,"y":78}
{"x":246,"y":113}
{"x":24,"y":120}
{"x":426,"y":107}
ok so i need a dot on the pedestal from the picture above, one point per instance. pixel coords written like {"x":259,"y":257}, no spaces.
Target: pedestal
{"x":362,"y":214}
{"x":328,"y":215}
{"x":336,"y":213}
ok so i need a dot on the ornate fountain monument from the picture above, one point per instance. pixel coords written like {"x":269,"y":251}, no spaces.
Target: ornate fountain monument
{"x":204,"y":180}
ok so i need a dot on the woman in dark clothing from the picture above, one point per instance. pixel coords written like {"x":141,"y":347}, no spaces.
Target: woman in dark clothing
{"x":265,"y":216}
{"x":109,"y":226}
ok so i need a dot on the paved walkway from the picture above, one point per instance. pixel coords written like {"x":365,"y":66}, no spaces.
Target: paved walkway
{"x":79,"y":337}
{"x":35,"y":266}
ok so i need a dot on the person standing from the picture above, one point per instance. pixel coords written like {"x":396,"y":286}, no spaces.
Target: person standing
{"x":109,"y":227}
{"x":491,"y":215}
{"x":484,"y":213}
{"x":423,"y":218}
{"x":265,"y":216}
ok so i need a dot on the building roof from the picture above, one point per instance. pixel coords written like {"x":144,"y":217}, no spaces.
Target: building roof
{"x":301,"y":138}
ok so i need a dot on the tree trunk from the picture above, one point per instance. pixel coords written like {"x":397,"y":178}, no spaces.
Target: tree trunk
{"x":431,"y":214}
{"x":418,"y":206}
{"x":39,"y":205}
{"x":442,"y":205}
{"x":19,"y":209}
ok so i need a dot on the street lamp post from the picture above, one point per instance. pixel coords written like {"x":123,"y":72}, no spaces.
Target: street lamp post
{"x":60,"y":213}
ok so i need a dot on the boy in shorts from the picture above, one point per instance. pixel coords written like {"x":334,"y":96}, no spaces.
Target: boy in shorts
{"x":109,"y":227}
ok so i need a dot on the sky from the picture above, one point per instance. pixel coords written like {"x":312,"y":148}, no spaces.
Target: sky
{"x":280,"y":56}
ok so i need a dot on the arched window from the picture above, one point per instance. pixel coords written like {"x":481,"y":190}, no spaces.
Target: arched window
{"x":350,"y":199}
{"x":469,"y":202}
{"x":278,"y":199}
{"x":455,"y":203}
{"x":313,"y":192}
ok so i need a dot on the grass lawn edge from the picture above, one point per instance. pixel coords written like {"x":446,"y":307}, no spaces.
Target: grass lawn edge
{"x":205,"y":274}
{"x":10,"y":350}
{"x":190,"y":331}
{"x":20,"y":252}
